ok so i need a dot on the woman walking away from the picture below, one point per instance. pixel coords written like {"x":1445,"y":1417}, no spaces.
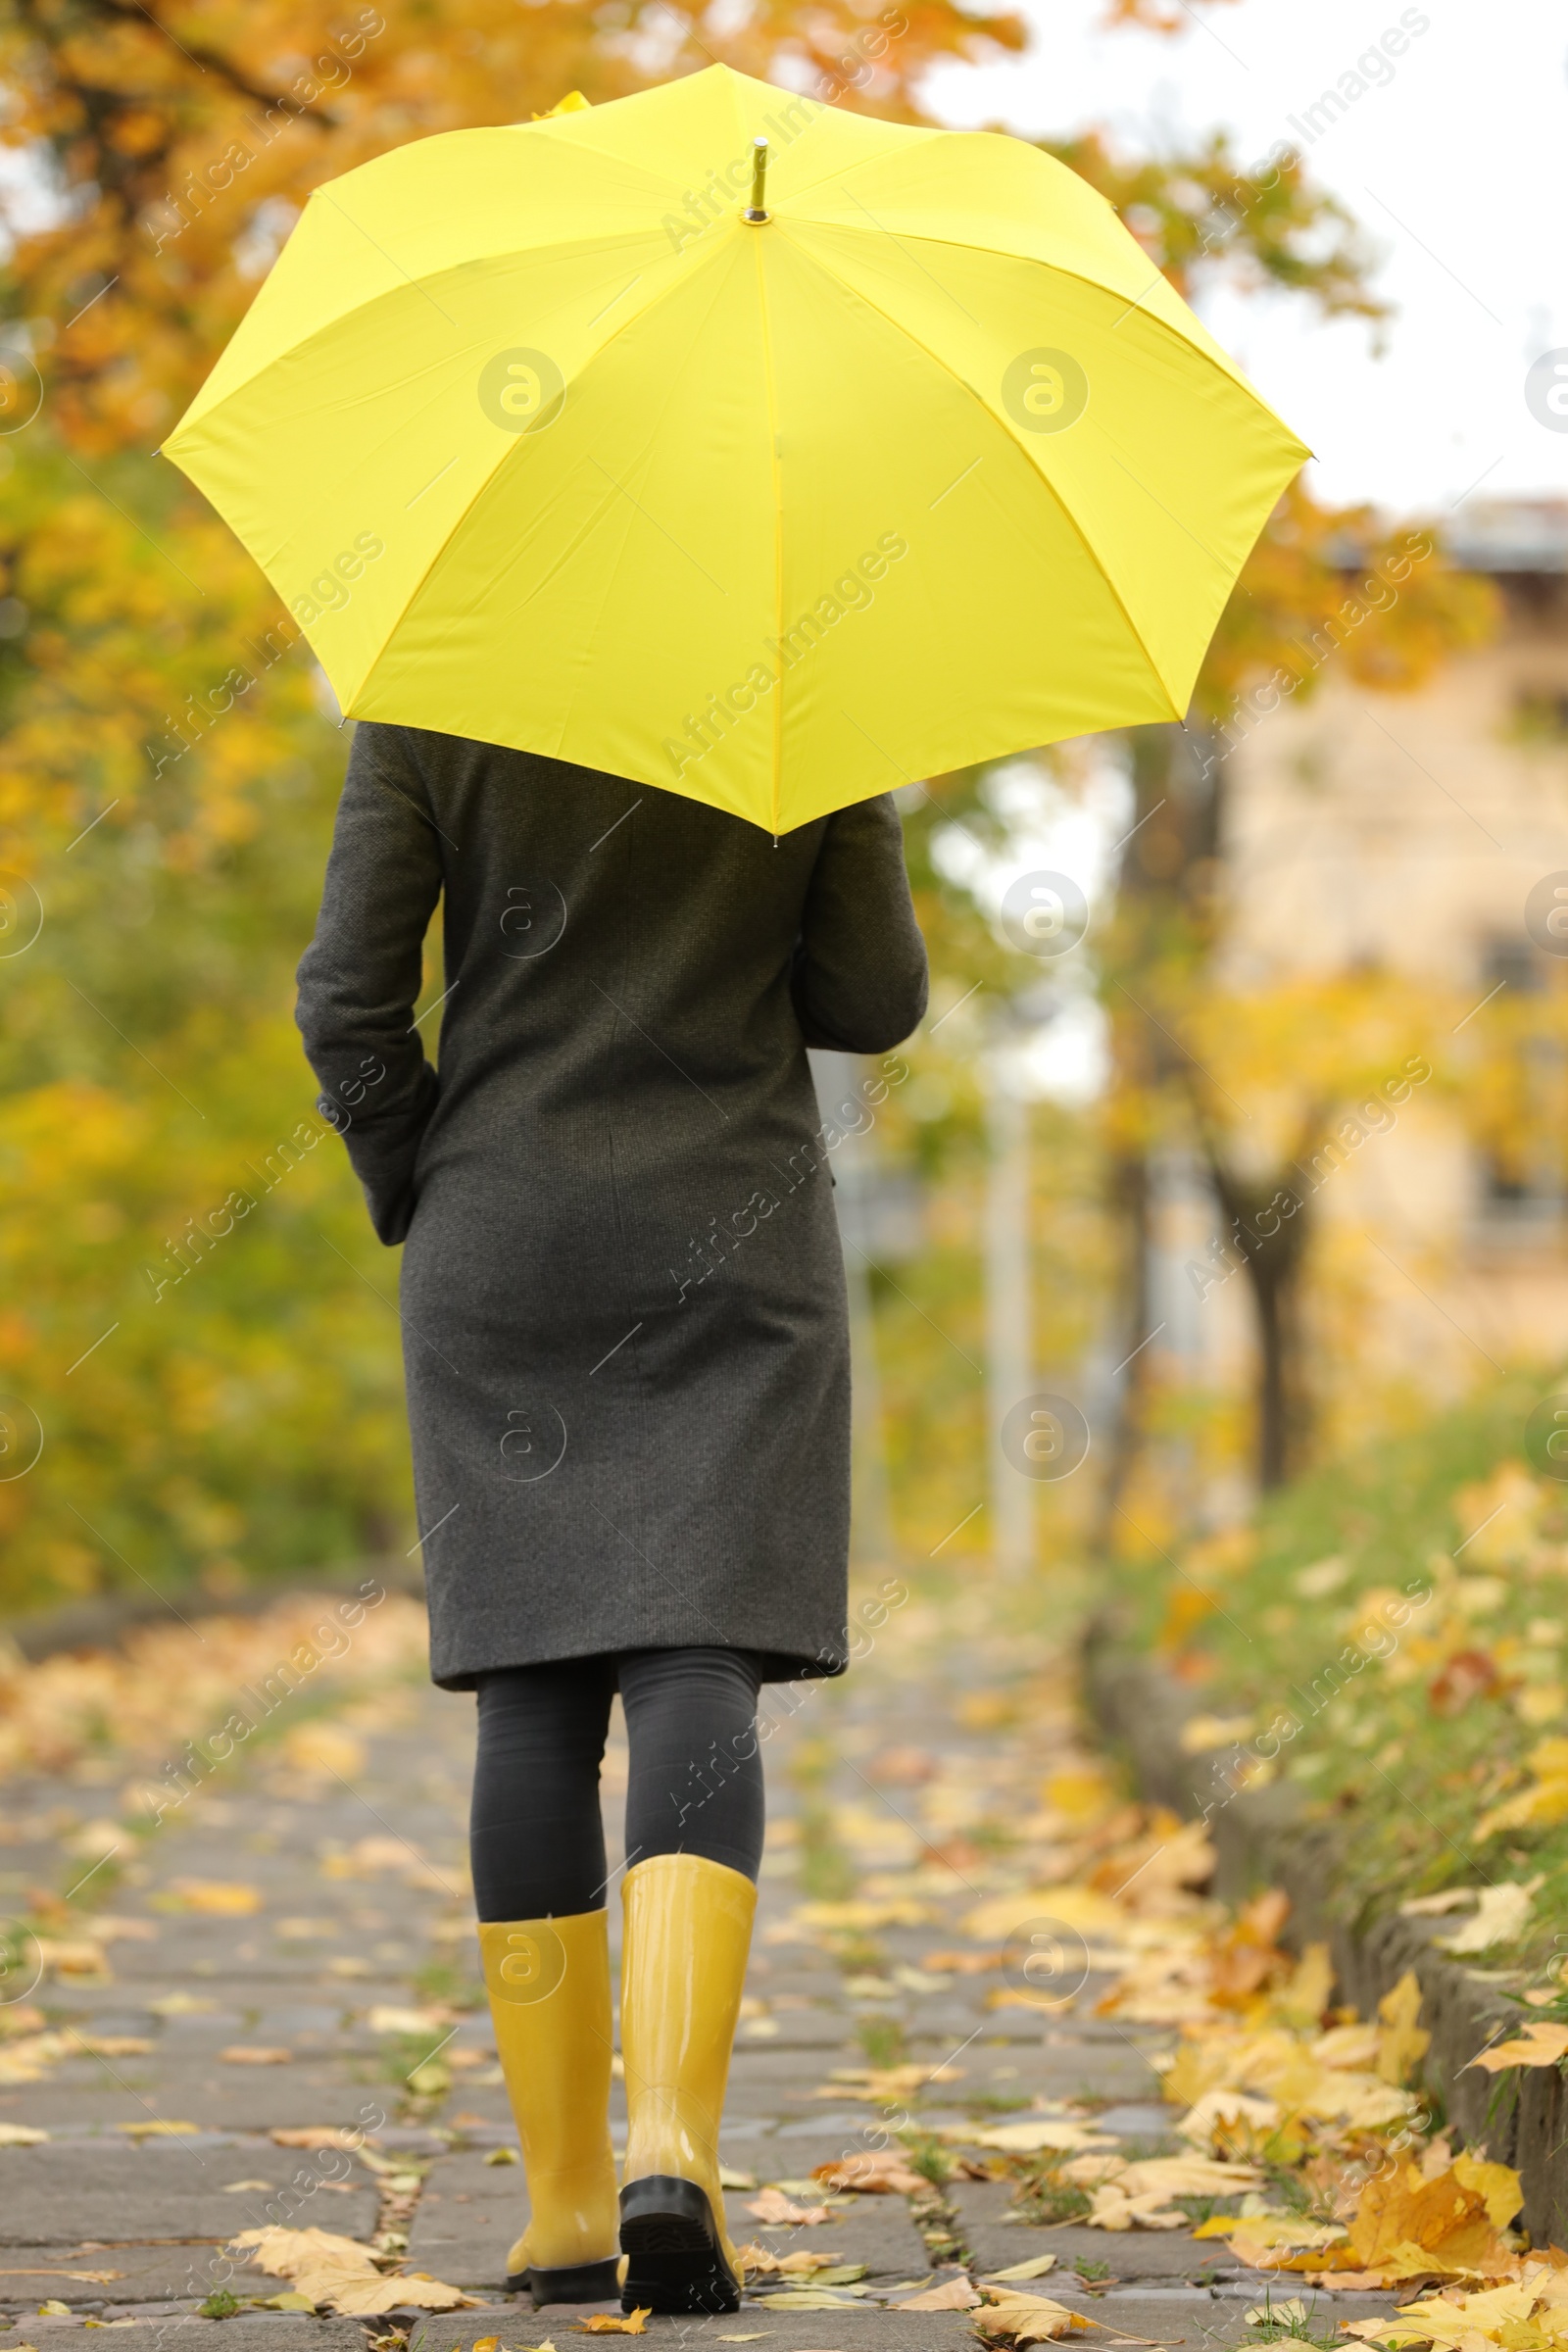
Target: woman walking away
{"x":628,"y":1361}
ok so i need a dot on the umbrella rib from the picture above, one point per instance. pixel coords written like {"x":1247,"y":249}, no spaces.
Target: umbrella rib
{"x":986,"y":409}
{"x":483,"y":487}
{"x":1218,"y":357}
{"x":778,"y":526}
{"x":561,"y":248}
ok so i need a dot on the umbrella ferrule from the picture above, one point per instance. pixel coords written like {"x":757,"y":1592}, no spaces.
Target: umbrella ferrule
{"x":755,"y":209}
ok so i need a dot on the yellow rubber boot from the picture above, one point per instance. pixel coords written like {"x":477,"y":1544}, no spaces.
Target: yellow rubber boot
{"x":549,"y":1985}
{"x":683,"y":1964}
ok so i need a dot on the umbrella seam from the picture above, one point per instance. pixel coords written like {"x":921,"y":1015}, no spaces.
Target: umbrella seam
{"x":574,"y":690}
{"x":1044,"y":480}
{"x":487,"y":482}
{"x":420,"y":584}
{"x":564,"y":249}
{"x":1218,"y":358}
{"x":779,"y":533}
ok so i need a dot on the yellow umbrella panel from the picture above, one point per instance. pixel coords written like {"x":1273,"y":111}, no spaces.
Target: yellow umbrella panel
{"x":544,"y":442}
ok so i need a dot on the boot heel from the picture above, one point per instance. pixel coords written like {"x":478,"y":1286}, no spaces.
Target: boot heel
{"x":674,"y":2259}
{"x":582,"y":2282}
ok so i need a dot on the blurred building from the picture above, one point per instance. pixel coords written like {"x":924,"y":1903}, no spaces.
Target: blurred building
{"x":1407,"y":832}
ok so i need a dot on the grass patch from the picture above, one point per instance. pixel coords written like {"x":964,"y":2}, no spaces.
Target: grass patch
{"x":1290,"y":2320}
{"x":928,"y":2157}
{"x":1043,"y":2195}
{"x":881,"y":2039}
{"x":1389,"y":1634}
{"x":441,"y":1981}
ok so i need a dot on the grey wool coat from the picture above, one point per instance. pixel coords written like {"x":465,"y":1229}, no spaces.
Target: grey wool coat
{"x":623,"y":1294}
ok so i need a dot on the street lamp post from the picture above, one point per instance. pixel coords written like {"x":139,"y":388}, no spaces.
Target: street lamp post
{"x":1009,"y":1303}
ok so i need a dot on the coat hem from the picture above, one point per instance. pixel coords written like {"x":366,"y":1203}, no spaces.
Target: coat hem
{"x":776,"y":1665}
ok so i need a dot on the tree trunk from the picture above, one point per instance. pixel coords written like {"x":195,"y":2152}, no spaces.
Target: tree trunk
{"x":1267,"y":1229}
{"x":1129,"y":1191}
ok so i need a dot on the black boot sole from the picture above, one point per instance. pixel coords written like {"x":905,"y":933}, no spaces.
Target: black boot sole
{"x":674,"y":2259}
{"x":582,"y":2282}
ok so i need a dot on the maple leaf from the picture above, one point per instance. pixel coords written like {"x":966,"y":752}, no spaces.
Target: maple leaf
{"x":1539,"y":2044}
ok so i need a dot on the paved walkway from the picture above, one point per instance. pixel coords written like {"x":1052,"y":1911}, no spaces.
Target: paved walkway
{"x":289,"y":1959}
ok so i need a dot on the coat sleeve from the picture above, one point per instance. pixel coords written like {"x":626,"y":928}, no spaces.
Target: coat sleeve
{"x":359,"y":977}
{"x":859,"y":978}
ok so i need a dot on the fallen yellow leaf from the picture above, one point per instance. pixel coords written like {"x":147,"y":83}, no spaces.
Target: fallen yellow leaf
{"x":1028,"y":2319}
{"x":1501,"y":1917}
{"x":953,"y":2294}
{"x":342,"y":2275}
{"x":228,"y":1899}
{"x":1401,"y":2043}
{"x":869,"y":2174}
{"x":1498,"y":2184}
{"x":1028,"y":2139}
{"x":1539,"y":2044}
{"x":774,"y":2208}
{"x":604,"y":2323}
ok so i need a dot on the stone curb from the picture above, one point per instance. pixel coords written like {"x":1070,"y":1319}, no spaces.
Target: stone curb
{"x":1266,"y":1837}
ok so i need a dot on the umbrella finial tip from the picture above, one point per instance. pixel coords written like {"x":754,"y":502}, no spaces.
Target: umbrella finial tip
{"x":755,"y":209}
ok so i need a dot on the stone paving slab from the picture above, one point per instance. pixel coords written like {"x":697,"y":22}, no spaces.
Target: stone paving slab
{"x":144,"y":2274}
{"x":876,"y":2231}
{"x":63,"y":2191}
{"x":996,"y":2244}
{"x":468,"y":2214}
{"x":845,"y":2329}
{"x":270,"y":2331}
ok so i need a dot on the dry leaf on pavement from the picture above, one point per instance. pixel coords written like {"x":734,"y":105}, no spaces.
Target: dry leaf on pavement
{"x":604,"y":2323}
{"x":342,"y":2275}
{"x":1403,"y":2042}
{"x":953,"y":2294}
{"x":248,"y":2053}
{"x":316,"y":2135}
{"x":1028,"y":2319}
{"x":227,"y":1898}
{"x":880,"y":2084}
{"x":871,"y":2174}
{"x":1029,"y":2138}
{"x":92,"y":2278}
{"x":1035,"y":2268}
{"x":775,"y":2208}
{"x":1408,"y":2226}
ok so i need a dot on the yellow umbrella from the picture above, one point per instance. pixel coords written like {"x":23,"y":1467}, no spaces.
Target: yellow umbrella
{"x":547,"y":438}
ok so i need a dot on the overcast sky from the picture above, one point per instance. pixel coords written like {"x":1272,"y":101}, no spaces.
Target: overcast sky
{"x":1456,"y":164}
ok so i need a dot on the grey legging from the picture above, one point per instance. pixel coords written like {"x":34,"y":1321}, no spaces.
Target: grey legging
{"x":536,"y":1836}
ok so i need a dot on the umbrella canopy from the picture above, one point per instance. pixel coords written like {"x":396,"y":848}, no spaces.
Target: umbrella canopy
{"x":545,"y":442}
